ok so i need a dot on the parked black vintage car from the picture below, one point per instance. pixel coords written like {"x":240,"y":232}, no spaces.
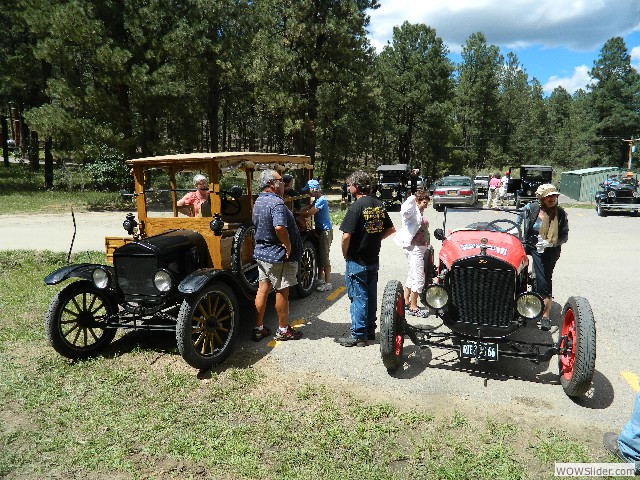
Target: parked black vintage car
{"x":393,"y":183}
{"x":480,"y":291}
{"x":177,"y":271}
{"x":531,"y":177}
{"x":618,"y":195}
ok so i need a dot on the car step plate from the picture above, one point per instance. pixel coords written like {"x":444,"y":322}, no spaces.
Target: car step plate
{"x":480,"y":350}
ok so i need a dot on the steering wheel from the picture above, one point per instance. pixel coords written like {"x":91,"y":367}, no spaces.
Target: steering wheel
{"x":230,"y":201}
{"x":493,"y":225}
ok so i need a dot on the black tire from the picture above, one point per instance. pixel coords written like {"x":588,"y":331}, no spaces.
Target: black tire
{"x":75,"y":320}
{"x":208,"y":325}
{"x":518,"y":202}
{"x":392,"y":325}
{"x":242,"y":262}
{"x":577,"y":357}
{"x":600,"y":211}
{"x":429,"y":272}
{"x":307,"y":270}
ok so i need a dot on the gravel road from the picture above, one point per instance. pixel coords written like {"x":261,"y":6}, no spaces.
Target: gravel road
{"x":600,"y":263}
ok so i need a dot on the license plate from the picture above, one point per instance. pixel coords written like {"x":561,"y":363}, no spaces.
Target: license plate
{"x":452,"y":192}
{"x":480,"y":350}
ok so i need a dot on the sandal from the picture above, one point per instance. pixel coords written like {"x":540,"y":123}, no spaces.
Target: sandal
{"x":418,"y":313}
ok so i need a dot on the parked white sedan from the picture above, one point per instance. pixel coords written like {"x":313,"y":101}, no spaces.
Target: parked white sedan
{"x":454,"y":190}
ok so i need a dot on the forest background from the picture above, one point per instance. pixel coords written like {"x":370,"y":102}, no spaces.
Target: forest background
{"x":94,"y":82}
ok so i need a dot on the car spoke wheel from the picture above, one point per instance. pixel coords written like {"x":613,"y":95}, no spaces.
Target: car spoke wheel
{"x":76,"y":320}
{"x":307,"y":270}
{"x":600,"y":211}
{"x":392,"y":325}
{"x":208,"y":326}
{"x":577,"y":356}
{"x":242,"y":261}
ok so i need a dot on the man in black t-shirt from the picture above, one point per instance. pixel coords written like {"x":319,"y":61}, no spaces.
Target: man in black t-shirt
{"x":364,"y":227}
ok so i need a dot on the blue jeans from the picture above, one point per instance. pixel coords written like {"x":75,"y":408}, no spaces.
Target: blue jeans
{"x":362,"y":289}
{"x":629,"y":438}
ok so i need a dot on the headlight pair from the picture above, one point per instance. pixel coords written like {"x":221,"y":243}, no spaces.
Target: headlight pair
{"x":528,"y":305}
{"x":162,"y":279}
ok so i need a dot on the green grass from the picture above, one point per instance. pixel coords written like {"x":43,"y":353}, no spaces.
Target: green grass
{"x":22,"y":191}
{"x":139,"y":412}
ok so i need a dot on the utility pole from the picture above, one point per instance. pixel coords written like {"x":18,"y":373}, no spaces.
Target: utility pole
{"x":631,"y":150}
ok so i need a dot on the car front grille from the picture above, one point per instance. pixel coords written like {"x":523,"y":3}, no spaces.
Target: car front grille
{"x":483,"y":296}
{"x":135,"y":275}
{"x":622,"y":196}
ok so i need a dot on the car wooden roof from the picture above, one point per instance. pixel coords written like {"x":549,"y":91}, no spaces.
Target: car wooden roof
{"x":224,"y":159}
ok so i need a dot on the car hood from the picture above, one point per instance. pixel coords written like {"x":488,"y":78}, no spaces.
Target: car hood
{"x":467,"y":243}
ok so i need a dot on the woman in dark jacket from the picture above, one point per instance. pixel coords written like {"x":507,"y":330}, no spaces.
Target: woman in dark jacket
{"x":546,"y":228}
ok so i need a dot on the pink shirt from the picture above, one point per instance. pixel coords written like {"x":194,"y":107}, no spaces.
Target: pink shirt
{"x":494,"y":183}
{"x":195,"y":199}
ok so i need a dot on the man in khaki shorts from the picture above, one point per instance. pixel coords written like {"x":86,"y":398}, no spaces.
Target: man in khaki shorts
{"x":277,"y":251}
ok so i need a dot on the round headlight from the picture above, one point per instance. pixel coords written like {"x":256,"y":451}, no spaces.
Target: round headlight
{"x":636,"y":194}
{"x":162,"y":280}
{"x":611,"y":194}
{"x":529,"y":305}
{"x":436,"y":297}
{"x":100,"y":278}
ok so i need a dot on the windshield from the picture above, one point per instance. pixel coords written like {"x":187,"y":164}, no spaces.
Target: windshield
{"x":481,"y":219}
{"x":456,"y":182}
{"x":539,"y":175}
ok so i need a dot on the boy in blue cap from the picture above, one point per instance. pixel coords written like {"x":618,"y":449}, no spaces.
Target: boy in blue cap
{"x":324,"y":229}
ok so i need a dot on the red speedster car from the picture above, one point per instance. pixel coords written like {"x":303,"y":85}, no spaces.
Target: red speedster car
{"x":481,"y":289}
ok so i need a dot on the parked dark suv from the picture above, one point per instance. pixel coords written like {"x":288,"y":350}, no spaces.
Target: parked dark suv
{"x":531,"y":177}
{"x":393,"y":183}
{"x":176,"y":271}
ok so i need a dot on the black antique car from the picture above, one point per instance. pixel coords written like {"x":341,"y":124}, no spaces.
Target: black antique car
{"x":618,"y":195}
{"x":531,"y":177}
{"x":393,"y":183}
{"x":481,"y":292}
{"x":177,"y":271}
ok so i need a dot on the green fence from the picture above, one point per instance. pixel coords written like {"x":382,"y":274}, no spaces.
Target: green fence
{"x":581,"y":185}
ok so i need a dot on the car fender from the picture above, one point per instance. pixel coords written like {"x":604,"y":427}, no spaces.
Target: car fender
{"x":197,"y":280}
{"x":80,"y":270}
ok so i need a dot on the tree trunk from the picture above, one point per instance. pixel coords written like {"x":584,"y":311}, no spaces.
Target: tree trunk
{"x":5,"y":136}
{"x":48,"y":163}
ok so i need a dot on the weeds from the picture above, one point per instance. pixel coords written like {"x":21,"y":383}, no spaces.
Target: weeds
{"x":138,"y":411}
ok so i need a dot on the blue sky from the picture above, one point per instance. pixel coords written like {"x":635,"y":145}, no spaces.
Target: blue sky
{"x":556,"y":41}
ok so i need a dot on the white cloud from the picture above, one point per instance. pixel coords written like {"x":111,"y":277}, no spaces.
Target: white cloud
{"x":579,"y":79}
{"x":576,"y":24}
{"x":635,"y":58}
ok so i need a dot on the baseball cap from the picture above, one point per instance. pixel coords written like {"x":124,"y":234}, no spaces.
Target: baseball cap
{"x":311,"y":185}
{"x":546,"y":189}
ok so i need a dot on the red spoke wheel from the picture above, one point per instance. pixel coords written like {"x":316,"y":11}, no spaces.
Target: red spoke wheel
{"x":577,"y":356}
{"x":392,"y":325}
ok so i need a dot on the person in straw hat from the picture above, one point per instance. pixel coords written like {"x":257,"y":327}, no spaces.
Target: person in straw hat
{"x":545,"y":229}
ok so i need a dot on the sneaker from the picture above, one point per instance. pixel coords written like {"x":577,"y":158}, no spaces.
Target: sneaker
{"x":260,"y":334}
{"x":352,"y":341}
{"x":324,"y":287}
{"x":418,"y":313}
{"x":610,"y":441}
{"x":545,"y":324}
{"x":288,"y":334}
